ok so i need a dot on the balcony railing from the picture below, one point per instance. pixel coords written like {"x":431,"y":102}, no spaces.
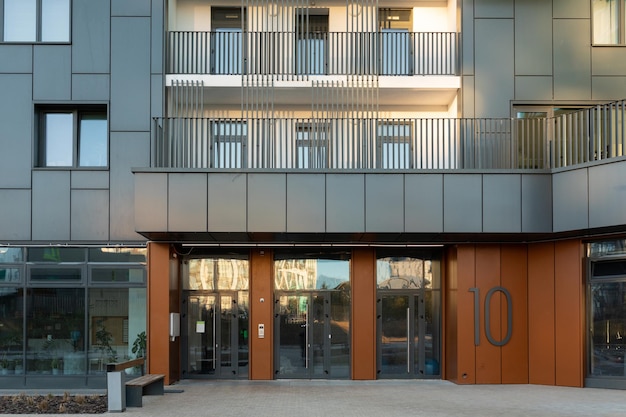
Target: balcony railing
{"x":391,"y":144}
{"x":317,"y":53}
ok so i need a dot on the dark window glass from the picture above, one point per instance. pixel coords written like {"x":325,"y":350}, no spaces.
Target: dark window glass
{"x":11,"y":331}
{"x":54,"y":254}
{"x":113,"y":275}
{"x":55,"y":274}
{"x":117,"y":255}
{"x":11,"y":255}
{"x":10,"y":274}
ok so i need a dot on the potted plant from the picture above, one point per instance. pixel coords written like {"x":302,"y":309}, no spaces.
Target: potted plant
{"x":19,"y":367}
{"x":55,"y":363}
{"x":139,"y":348}
{"x":103,"y":344}
{"x":4,"y":367}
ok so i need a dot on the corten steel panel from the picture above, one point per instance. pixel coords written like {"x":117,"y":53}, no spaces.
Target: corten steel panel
{"x":451,"y":319}
{"x":16,"y":108}
{"x":493,"y":8}
{"x":90,"y":215}
{"x":569,"y":313}
{"x":175,"y":304}
{"x":267,"y":202}
{"x":90,"y":180}
{"x":466,"y":279}
{"x":150,"y":202}
{"x":607,"y":195}
{"x":52,"y":72}
{"x":608,"y":88}
{"x":51,"y":205}
{"x":187,"y":202}
{"x":494,"y":40}
{"x":570,"y":200}
{"x":261,"y":312}
{"x":489,"y":356}
{"x":514,"y":277}
{"x":158,"y":309}
{"x":91,"y":36}
{"x":306,"y":203}
{"x":541,"y":332}
{"x":462,"y":203}
{"x":130,"y":8}
{"x":345,"y":203}
{"x":127,"y":150}
{"x":227,"y":202}
{"x":502,"y":205}
{"x":571,"y":9}
{"x":533,"y":87}
{"x":16,"y":59}
{"x":130,"y":74}
{"x":384,"y":203}
{"x":536,"y":203}
{"x":608,"y":61}
{"x":90,"y":87}
{"x":363,"y":314}
{"x":572,"y":59}
{"x":533,"y":37}
{"x":467,"y":40}
{"x":423,"y":203}
{"x":15,"y":209}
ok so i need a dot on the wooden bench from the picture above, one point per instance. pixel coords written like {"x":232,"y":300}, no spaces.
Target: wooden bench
{"x":135,"y":389}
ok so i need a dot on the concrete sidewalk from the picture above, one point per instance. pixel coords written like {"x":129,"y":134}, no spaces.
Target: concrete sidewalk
{"x":376,"y":398}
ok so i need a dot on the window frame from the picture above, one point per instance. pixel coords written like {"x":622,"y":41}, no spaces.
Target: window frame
{"x":396,"y":142}
{"x":312,"y":145}
{"x":621,"y":25}
{"x":238,"y":140}
{"x":38,"y":25}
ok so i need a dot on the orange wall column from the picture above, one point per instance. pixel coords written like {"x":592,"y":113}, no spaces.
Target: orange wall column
{"x":466,"y":279}
{"x":450,"y":327}
{"x":158,"y":309}
{"x":363,"y":314}
{"x":261,"y":312}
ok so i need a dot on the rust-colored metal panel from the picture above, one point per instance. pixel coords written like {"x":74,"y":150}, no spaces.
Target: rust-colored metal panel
{"x":261,"y":312}
{"x":450,"y":319}
{"x":541,"y":340}
{"x":466,"y":273}
{"x":569,"y":316}
{"x":488,"y":356}
{"x":175,"y":365}
{"x":158,"y":312}
{"x":514,"y":278}
{"x":363,"y":314}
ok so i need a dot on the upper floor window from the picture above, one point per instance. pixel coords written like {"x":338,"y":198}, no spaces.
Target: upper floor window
{"x":72,"y":137}
{"x":228,"y":144}
{"x":394,"y":145}
{"x":36,"y":21}
{"x":609,"y":22}
{"x":312,"y":145}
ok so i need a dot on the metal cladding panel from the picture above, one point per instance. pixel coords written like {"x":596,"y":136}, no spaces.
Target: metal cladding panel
{"x":384,"y":203}
{"x":493,"y":8}
{"x":267,"y":202}
{"x":16,"y":59}
{"x":158,"y":10}
{"x":571,"y":9}
{"x":608,"y":61}
{"x":462,"y":203}
{"x":52,"y":72}
{"x":572,"y":59}
{"x":536,"y":203}
{"x":423,"y":203}
{"x":345,"y":203}
{"x":130,"y":8}
{"x":607,"y":195}
{"x":533,"y":88}
{"x":90,"y":215}
{"x":494,"y":40}
{"x":502,"y":205}
{"x":570,"y":200}
{"x":90,"y":87}
{"x":187,"y":202}
{"x":16,"y":135}
{"x":227,"y":202}
{"x":51,"y":205}
{"x":609,"y":88}
{"x":151,"y":202}
{"x":127,"y":150}
{"x":467,"y":39}
{"x":130,"y":73}
{"x":156,"y":98}
{"x":469,"y":97}
{"x":91,"y":37}
{"x":90,"y":179}
{"x":14,"y":215}
{"x":533,"y":37}
{"x":306,"y":203}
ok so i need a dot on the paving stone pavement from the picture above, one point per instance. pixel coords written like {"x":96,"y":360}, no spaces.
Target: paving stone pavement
{"x":387,"y":398}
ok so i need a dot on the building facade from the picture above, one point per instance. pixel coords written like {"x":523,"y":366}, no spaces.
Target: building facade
{"x":346,"y":190}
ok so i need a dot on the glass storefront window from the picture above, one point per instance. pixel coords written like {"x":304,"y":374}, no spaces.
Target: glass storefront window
{"x":118,"y":255}
{"x":116,"y":275}
{"x":11,"y":330}
{"x":608,"y":328}
{"x":55,"y":274}
{"x":311,"y":274}
{"x":10,"y":275}
{"x":406,"y":273}
{"x":606,"y":248}
{"x":217,"y":274}
{"x":11,"y":255}
{"x":54,"y":254}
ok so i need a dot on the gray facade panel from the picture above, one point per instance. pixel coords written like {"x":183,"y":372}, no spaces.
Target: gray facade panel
{"x":607,"y":195}
{"x":536,"y":203}
{"x":533,"y":88}
{"x":187,"y":203}
{"x":158,"y":18}
{"x":51,"y":205}
{"x":609,"y":88}
{"x":158,"y":89}
{"x":608,"y":61}
{"x":502,"y":205}
{"x":462,"y":203}
{"x":494,"y":38}
{"x":423,"y":203}
{"x":493,"y":8}
{"x":16,"y":131}
{"x":572,"y":59}
{"x":384,"y":203}
{"x":91,"y":40}
{"x":130,"y":8}
{"x":16,"y":59}
{"x":227,"y":207}
{"x":571,"y":9}
{"x":306,"y":203}
{"x":90,"y":180}
{"x":52,"y":72}
{"x":345,"y":203}
{"x":468,"y":97}
{"x":94,"y":87}
{"x":130,"y":74}
{"x":127,"y":150}
{"x":90,"y":215}
{"x":151,"y":202}
{"x":570,"y":200}
{"x":467,"y":39}
{"x":533,"y":37}
{"x":267,"y":202}
{"x":14,"y":215}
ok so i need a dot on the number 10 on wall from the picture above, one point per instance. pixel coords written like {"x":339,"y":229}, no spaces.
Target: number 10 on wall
{"x":509,"y":316}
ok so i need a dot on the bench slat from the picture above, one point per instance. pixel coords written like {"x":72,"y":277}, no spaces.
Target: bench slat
{"x":145,"y":380}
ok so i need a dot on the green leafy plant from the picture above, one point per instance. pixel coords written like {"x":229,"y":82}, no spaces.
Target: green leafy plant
{"x":103,"y":342}
{"x":139,"y":345}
